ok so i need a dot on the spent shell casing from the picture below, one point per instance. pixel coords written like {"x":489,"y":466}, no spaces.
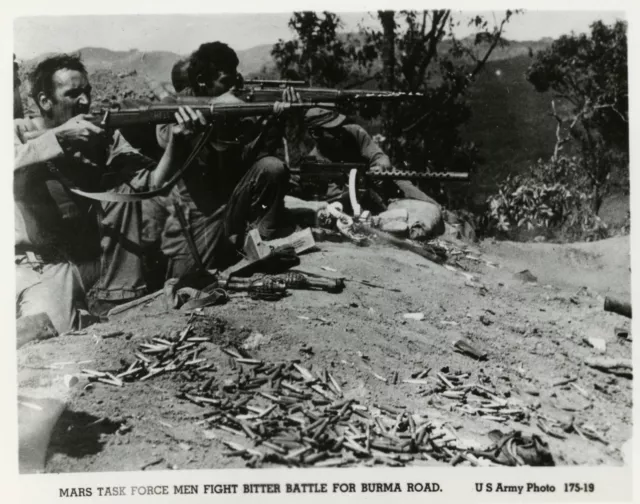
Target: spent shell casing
{"x":248,"y":430}
{"x":304,"y":372}
{"x":415,"y":381}
{"x":314,"y":457}
{"x":332,"y":462}
{"x":295,"y":454}
{"x":108,"y":381}
{"x":243,"y":360}
{"x":92,"y":372}
{"x":318,"y":389}
{"x":444,"y":380}
{"x":389,"y":409}
{"x":335,"y":384}
{"x":274,"y":447}
{"x":423,"y":373}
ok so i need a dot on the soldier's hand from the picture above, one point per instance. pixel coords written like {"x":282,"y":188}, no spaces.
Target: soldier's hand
{"x":279,"y":108}
{"x":78,"y":133}
{"x":290,"y":95}
{"x":189,"y":122}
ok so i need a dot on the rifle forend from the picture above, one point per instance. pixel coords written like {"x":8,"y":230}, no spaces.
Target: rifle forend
{"x":327,"y":171}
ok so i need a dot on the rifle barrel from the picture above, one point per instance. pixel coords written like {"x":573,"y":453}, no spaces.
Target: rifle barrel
{"x":275,"y":83}
{"x":312,"y":95}
{"x":258,"y":94}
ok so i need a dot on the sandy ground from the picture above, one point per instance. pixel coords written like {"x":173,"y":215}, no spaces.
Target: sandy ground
{"x":532,"y":331}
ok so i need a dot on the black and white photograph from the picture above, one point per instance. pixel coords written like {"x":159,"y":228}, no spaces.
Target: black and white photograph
{"x":322,"y":239}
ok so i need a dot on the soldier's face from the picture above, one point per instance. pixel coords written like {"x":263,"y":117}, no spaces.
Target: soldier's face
{"x":221,"y":82}
{"x":71,"y":96}
{"x":326,"y":139}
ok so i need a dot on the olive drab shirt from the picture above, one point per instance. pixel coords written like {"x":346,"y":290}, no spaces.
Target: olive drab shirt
{"x":47,"y":215}
{"x":222,"y":163}
{"x":357,"y":147}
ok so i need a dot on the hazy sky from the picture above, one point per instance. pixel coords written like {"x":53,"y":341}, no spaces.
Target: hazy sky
{"x":183,"y":33}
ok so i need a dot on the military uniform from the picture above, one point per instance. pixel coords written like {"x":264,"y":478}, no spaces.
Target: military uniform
{"x":71,"y":249}
{"x":235,"y":185}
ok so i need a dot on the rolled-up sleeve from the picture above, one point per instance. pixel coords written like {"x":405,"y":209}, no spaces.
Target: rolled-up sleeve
{"x":30,"y":149}
{"x":163,"y":135}
{"x":368,"y":148}
{"x":131,"y":168}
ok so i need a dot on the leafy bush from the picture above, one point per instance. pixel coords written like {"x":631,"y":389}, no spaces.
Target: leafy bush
{"x":554,"y":200}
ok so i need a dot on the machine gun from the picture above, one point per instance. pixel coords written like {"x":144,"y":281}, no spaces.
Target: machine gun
{"x":310,"y":169}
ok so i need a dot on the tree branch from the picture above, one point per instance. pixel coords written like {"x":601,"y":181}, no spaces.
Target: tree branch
{"x":437,"y":31}
{"x":479,"y":66}
{"x":359,"y":82}
{"x":496,"y":38}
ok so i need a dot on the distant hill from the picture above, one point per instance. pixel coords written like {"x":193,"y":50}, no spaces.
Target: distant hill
{"x":157,"y":64}
{"x":254,"y":59}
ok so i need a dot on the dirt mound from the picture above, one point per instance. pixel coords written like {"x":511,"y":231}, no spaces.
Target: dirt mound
{"x":532,"y":332}
{"x":603,"y":266}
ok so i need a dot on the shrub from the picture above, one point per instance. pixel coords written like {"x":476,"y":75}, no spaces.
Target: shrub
{"x":553,"y":200}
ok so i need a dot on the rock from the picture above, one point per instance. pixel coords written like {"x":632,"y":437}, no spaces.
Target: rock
{"x":70,"y":380}
{"x":452,"y":231}
{"x":34,"y":327}
{"x":254,"y":340}
{"x":425,"y":220}
{"x":526,"y":276}
{"x":597,"y":343}
{"x":623,"y":333}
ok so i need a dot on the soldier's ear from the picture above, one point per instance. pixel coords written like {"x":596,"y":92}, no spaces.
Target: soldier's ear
{"x":44,"y":102}
{"x":200,"y":81}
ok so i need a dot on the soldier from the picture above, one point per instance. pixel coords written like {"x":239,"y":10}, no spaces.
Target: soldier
{"x":338,"y":140}
{"x":236,"y":184}
{"x":18,"y":111}
{"x":72,"y":253}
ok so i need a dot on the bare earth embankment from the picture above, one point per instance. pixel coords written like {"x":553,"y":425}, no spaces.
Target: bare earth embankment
{"x":532,"y":333}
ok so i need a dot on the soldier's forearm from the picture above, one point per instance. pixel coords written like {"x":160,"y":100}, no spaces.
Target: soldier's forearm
{"x":173,"y":157}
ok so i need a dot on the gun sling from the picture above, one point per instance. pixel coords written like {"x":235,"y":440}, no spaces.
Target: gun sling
{"x":143,"y":195}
